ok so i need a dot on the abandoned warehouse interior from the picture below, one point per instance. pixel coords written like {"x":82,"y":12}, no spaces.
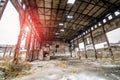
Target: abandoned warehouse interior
{"x":54,"y":29}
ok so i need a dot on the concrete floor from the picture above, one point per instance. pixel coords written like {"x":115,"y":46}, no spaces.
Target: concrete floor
{"x":73,"y":69}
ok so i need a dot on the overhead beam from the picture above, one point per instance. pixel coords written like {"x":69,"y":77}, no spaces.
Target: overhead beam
{"x":64,"y":10}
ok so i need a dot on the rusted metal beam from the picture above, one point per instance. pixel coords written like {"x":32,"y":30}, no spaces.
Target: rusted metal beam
{"x":33,"y":48}
{"x":38,"y":48}
{"x":28,"y":45}
{"x":18,"y":46}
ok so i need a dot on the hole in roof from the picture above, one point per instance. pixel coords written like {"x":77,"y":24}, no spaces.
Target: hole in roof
{"x":99,"y":24}
{"x":110,"y":17}
{"x":92,"y":28}
{"x":57,"y":33}
{"x":24,"y":6}
{"x":60,"y":24}
{"x":62,"y":30}
{"x":71,"y":1}
{"x":117,"y":13}
{"x":84,"y":33}
{"x":95,"y":26}
{"x":69,"y":17}
{"x":104,"y":21}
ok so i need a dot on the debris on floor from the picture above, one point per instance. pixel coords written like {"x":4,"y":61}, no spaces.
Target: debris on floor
{"x":72,"y":70}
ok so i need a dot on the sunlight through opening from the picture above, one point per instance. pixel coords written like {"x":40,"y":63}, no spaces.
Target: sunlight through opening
{"x":9,"y":25}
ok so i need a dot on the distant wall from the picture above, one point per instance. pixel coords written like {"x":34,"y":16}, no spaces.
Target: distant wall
{"x":63,"y":47}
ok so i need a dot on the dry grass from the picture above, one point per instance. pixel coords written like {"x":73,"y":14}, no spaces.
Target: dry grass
{"x":6,"y":61}
{"x":22,"y":74}
{"x":13,"y":70}
{"x":62,"y":64}
{"x":73,"y":70}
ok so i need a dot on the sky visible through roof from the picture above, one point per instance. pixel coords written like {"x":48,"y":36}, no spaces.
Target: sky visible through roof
{"x":10,"y":26}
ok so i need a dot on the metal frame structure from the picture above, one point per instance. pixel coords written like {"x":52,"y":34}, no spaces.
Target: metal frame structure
{"x":49,"y":14}
{"x":44,"y":16}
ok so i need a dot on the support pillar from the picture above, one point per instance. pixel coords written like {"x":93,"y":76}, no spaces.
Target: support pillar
{"x":109,"y":47}
{"x":39,"y":53}
{"x":78,"y":44}
{"x":74,"y":47}
{"x":5,"y":49}
{"x":10,"y":51}
{"x":33,"y":48}
{"x":79,"y":56}
{"x":18,"y":46}
{"x":70,"y":49}
{"x":93,"y":44}
{"x":37,"y":48}
{"x":85,"y":48}
{"x":64,"y":47}
{"x":28,"y":44}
